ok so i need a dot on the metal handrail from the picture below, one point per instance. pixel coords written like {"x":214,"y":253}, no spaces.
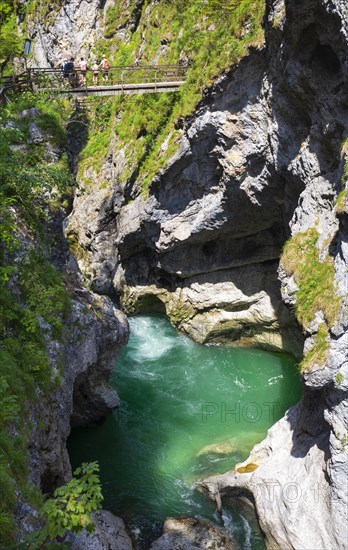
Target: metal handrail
{"x":48,"y":78}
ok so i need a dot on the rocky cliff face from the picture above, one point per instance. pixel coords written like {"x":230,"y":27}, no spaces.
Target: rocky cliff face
{"x":302,"y":464}
{"x":60,"y":29}
{"x":73,"y":27}
{"x":204,"y":246}
{"x":80,"y":357}
{"x":259,"y":161}
{"x":94,"y":334}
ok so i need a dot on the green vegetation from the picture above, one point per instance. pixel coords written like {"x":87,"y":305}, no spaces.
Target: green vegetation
{"x":100,"y":124}
{"x":34,"y":305}
{"x":71,"y":506}
{"x":10,"y":44}
{"x":116,"y":16}
{"x":319,"y":352}
{"x":315,"y":278}
{"x":344,"y":153}
{"x":339,"y":378}
{"x":345,"y":170}
{"x":33,"y":300}
{"x":316,"y":290}
{"x":341,"y":200}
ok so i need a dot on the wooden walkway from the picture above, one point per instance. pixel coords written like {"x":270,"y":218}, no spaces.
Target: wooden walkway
{"x":134,"y":79}
{"x":119,"y":89}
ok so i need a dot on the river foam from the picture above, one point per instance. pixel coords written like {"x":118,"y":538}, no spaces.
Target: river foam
{"x":187,"y":410}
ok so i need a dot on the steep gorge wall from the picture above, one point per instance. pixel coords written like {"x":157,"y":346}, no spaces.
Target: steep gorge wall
{"x":299,"y":485}
{"x":204,"y":245}
{"x":59,"y":340}
{"x":259,"y":160}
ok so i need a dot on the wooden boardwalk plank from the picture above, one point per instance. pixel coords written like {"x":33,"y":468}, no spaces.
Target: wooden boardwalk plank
{"x":143,"y":88}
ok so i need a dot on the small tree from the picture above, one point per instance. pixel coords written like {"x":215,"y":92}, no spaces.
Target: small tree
{"x":9,"y":42}
{"x":71,"y":506}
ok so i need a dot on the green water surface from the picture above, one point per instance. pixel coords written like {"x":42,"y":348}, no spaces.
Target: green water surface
{"x":187,"y":410}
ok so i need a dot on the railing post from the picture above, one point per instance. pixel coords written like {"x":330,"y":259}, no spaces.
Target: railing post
{"x":29,"y":79}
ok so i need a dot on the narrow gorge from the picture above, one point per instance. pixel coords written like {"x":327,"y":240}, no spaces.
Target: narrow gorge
{"x":222,"y":207}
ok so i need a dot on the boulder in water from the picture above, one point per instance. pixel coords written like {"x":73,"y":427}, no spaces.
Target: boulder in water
{"x":192,"y":533}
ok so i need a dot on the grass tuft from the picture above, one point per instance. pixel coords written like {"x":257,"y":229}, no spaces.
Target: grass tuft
{"x":341,"y":202}
{"x":319,"y":352}
{"x":315,"y":279}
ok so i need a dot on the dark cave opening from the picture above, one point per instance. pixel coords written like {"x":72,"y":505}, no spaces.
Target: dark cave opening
{"x":150,"y":304}
{"x":324,"y":59}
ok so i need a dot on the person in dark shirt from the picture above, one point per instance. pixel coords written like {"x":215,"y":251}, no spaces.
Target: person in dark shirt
{"x":70,"y":70}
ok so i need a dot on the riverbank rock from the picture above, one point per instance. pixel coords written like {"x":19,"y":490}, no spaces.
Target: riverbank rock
{"x":109,"y":534}
{"x":94,"y":334}
{"x":192,"y":533}
{"x":284,"y":477}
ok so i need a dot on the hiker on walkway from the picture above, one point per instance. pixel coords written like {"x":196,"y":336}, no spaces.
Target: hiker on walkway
{"x":95,"y":69}
{"x":70,"y":70}
{"x":83,"y":71}
{"x":65,"y":71}
{"x":105,"y":65}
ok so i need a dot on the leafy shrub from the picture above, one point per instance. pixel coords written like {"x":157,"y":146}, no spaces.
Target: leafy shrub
{"x":71,"y":506}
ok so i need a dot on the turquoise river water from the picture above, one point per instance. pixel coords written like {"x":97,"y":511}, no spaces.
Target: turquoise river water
{"x":187,"y":411}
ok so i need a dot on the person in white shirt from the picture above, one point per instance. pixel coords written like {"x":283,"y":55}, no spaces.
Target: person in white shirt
{"x":95,"y":69}
{"x":105,"y":65}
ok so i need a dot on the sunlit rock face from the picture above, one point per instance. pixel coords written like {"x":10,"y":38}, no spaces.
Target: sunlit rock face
{"x":72,"y":27}
{"x":261,"y":159}
{"x":69,"y":29}
{"x":258,"y":160}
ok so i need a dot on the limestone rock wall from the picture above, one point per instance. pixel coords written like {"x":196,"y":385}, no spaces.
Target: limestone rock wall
{"x":72,"y":28}
{"x":94,"y":335}
{"x":297,"y":477}
{"x":204,"y":246}
{"x":63,"y":28}
{"x":260,"y":160}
